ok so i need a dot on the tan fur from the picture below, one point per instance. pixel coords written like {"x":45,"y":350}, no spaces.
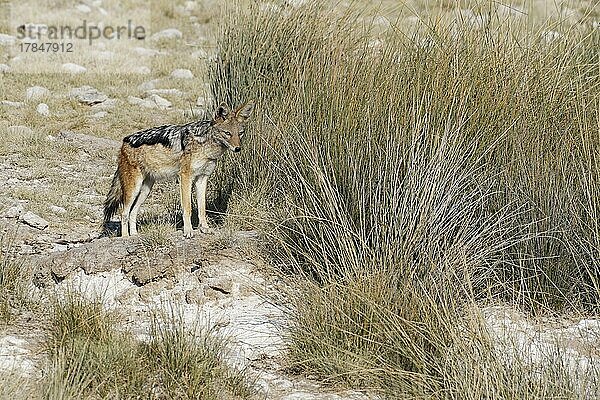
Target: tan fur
{"x":139,"y":167}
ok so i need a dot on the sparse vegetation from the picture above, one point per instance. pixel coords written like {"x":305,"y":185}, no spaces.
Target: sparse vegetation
{"x":409,"y":178}
{"x":13,"y":277}
{"x":91,"y":358}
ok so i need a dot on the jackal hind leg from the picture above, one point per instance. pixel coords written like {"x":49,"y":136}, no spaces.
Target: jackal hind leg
{"x":131,"y":189}
{"x":147,"y":184}
{"x":201,"y":183}
{"x":185,"y":181}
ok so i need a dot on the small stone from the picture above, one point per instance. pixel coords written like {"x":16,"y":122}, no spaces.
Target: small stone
{"x":182,"y":74}
{"x":36,"y":93}
{"x":13,"y":212}
{"x":73,"y":68}
{"x":4,"y":68}
{"x":167,"y":34}
{"x":43,"y":109}
{"x":27,"y":249}
{"x":57,"y":209}
{"x":16,"y":104}
{"x":153,"y":101}
{"x":34,"y":220}
{"x":87,"y":95}
{"x":108,"y":104}
{"x":160,"y":102}
{"x":82,"y":8}
{"x":166,"y":92}
{"x":7,"y":40}
{"x":20,"y":130}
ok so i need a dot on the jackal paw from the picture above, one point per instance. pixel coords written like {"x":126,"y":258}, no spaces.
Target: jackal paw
{"x":188,"y":234}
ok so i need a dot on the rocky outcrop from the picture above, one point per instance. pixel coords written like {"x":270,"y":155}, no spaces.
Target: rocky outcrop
{"x":141,"y":261}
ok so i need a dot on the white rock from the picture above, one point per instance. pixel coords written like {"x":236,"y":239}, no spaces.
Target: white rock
{"x":82,"y":8}
{"x":34,"y":220}
{"x":43,"y":109}
{"x":87,"y":95}
{"x":16,"y":104}
{"x":153,"y":101}
{"x":51,"y":138}
{"x":57,"y":209}
{"x":108,"y":104}
{"x":136,"y":101}
{"x":20,"y":130}
{"x":73,"y":68}
{"x":36,"y":92}
{"x":160,"y":102}
{"x":182,"y":74}
{"x":167,"y":34}
{"x":7,"y":40}
{"x":166,"y":92}
{"x":13,"y":212}
{"x":190,"y":5}
{"x":4,"y":68}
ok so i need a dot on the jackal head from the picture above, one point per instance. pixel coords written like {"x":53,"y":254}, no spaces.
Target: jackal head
{"x":230,"y":125}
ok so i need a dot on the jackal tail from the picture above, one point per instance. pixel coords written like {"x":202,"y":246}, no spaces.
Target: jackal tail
{"x":114,"y":199}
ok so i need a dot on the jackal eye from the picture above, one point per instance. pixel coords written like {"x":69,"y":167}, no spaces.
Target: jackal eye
{"x":227,"y":133}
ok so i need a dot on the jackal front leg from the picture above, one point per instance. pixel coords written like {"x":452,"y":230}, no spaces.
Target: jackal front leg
{"x":201,"y":199}
{"x":185,"y":181}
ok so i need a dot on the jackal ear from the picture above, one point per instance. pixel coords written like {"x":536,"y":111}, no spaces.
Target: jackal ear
{"x":245,"y":110}
{"x":222,"y":112}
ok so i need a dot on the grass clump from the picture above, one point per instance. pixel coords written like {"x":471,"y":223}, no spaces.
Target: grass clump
{"x":91,"y":358}
{"x":13,"y":277}
{"x":408,"y":180}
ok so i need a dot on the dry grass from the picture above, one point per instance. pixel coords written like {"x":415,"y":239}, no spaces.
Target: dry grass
{"x":90,"y":358}
{"x":14,"y":277}
{"x":409,"y":180}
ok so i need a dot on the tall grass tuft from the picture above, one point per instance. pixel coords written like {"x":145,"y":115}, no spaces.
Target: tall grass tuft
{"x":408,"y":179}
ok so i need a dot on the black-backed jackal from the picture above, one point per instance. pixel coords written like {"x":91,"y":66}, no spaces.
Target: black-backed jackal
{"x":188,"y":151}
